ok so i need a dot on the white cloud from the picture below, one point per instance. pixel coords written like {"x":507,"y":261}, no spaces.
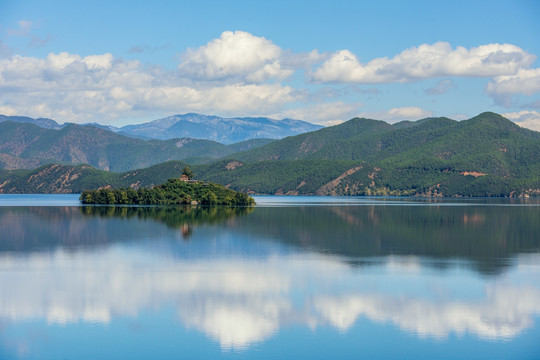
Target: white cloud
{"x":7,"y":110}
{"x":68,"y":87}
{"x":398,"y":114}
{"x":97,"y":62}
{"x":240,"y":74}
{"x":527,"y":119}
{"x":426,"y":61}
{"x":525,"y":82}
{"x":237,"y":55}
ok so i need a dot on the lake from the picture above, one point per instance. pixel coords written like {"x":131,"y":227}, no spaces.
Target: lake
{"x":292,"y":278}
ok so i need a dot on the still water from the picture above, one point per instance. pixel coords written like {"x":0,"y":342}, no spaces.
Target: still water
{"x":292,"y":278}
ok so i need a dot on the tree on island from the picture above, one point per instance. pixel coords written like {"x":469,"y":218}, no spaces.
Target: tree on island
{"x":187,"y":172}
{"x":174,"y":191}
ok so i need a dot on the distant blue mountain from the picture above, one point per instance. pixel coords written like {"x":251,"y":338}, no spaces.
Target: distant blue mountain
{"x":222,"y":130}
{"x":196,"y":126}
{"x":41,"y":122}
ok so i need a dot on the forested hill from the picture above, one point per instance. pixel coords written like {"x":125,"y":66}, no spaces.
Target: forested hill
{"x":487,"y":155}
{"x":26,"y":146}
{"x":373,"y":141}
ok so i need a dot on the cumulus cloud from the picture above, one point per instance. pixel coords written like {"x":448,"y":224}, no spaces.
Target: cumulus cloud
{"x":237,"y":55}
{"x":69,"y":87}
{"x":7,"y":110}
{"x":240,"y":74}
{"x":399,"y":114}
{"x":425,"y":61}
{"x":226,"y":76}
{"x":527,"y":119}
{"x":525,"y":82}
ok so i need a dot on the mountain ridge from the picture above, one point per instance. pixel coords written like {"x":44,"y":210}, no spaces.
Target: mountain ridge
{"x":216,"y":128}
{"x":25,"y":145}
{"x":193,"y":125}
{"x":487,"y":155}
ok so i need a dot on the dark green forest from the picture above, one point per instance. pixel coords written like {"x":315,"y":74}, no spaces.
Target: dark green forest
{"x":173,"y":192}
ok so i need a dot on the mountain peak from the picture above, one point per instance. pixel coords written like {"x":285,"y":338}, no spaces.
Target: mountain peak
{"x":493,"y":120}
{"x":223,"y":130}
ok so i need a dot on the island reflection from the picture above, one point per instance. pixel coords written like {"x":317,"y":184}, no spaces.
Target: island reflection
{"x":41,"y":228}
{"x":486,"y":237}
{"x":184,"y":218}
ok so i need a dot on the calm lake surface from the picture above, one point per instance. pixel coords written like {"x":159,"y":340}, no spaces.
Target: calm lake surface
{"x":292,"y":278}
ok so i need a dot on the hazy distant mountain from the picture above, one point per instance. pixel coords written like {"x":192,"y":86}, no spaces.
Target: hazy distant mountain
{"x":222,"y":130}
{"x":196,"y":126}
{"x":41,"y":122}
{"x":50,"y":123}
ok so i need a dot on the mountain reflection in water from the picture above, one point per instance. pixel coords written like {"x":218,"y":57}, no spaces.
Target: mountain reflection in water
{"x":245,"y":275}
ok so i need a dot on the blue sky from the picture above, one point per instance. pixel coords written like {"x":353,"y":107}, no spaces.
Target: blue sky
{"x":325,"y":62}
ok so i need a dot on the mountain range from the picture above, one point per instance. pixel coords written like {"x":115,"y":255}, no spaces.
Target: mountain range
{"x":487,"y":155}
{"x":41,"y":122}
{"x":223,"y":130}
{"x":23,"y":145}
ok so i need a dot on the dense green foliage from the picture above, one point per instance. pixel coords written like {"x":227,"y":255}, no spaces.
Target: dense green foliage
{"x":271,"y":177}
{"x":249,"y":144}
{"x":173,"y":192}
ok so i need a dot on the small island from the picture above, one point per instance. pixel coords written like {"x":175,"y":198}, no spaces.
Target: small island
{"x":177,"y":191}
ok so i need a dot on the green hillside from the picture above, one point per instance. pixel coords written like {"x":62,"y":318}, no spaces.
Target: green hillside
{"x":487,"y":155}
{"x":55,"y":178}
{"x":307,"y":145}
{"x":292,"y":177}
{"x":27,"y":146}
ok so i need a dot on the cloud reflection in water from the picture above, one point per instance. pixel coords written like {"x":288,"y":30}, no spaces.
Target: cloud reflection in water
{"x":241,"y":301}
